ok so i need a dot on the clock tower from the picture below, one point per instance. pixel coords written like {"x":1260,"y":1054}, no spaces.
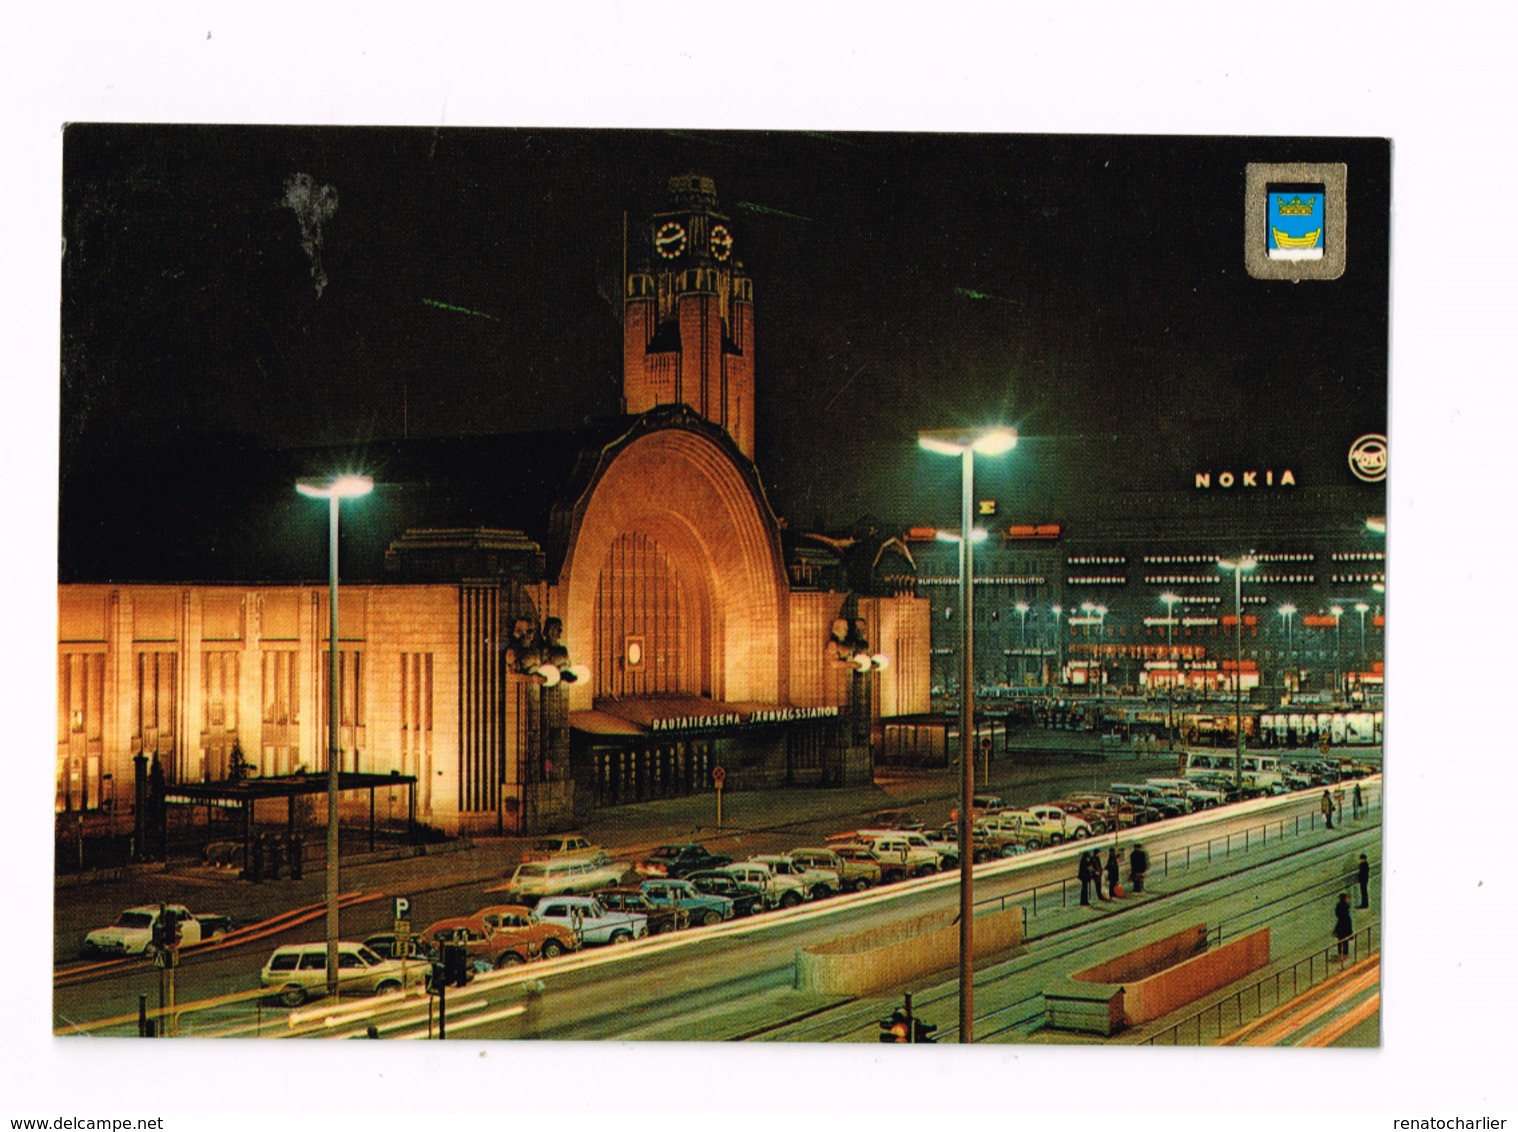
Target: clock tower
{"x":688,"y":314}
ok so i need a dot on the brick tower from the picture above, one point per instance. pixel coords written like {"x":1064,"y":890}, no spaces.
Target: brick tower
{"x":688,"y":314}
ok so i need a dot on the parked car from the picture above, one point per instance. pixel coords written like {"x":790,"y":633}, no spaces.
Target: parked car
{"x":679,"y":894}
{"x":660,"y":920}
{"x":855,"y":873}
{"x":945,"y":843}
{"x":589,"y":919}
{"x":857,"y":856}
{"x":816,"y":884}
{"x":980,"y":806}
{"x":1114,"y":810}
{"x":747,"y":898}
{"x":511,"y":920}
{"x":533,"y":880}
{"x":909,"y":851}
{"x":297,"y":972}
{"x":680,"y":860}
{"x":133,"y":930}
{"x":897,"y":820}
{"x":1201,"y":797}
{"x":1168,"y":805}
{"x":560,"y":846}
{"x":1036,"y":826}
{"x":779,"y":891}
{"x":486,"y":948}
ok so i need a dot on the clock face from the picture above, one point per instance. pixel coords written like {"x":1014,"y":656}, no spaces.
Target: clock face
{"x":721,"y":242}
{"x":669,"y":240}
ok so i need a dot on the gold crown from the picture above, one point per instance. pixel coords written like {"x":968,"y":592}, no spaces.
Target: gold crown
{"x":1296,"y":206}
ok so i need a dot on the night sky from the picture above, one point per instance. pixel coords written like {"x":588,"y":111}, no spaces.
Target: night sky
{"x":1089,"y":290}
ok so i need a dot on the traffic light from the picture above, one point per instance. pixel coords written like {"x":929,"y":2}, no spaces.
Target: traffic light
{"x":894,"y":1030}
{"x":922,"y":1032}
{"x":166,"y":929}
{"x":456,"y":972}
{"x":437,"y":978}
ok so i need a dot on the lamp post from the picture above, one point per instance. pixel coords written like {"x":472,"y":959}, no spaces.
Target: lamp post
{"x":1022,"y":642}
{"x":1100,"y":613}
{"x":1362,"y":609}
{"x":1239,"y":566}
{"x":334,"y":492}
{"x":1059,"y":647}
{"x":1286,"y":611}
{"x":1338,"y":612}
{"x":951,"y":442}
{"x":1170,"y":599}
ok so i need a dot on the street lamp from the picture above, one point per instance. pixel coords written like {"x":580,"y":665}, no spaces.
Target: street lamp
{"x":1100,"y":613}
{"x":1338,"y":612}
{"x":965,"y":444}
{"x":1362,"y":609}
{"x":1022,"y":642}
{"x":334,"y":492}
{"x":1170,"y":599}
{"x":1059,"y":647}
{"x":1286,"y":611}
{"x":1239,"y":566}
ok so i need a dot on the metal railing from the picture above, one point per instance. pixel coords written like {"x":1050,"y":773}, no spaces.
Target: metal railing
{"x":1241,"y":841}
{"x":1213,"y":1022}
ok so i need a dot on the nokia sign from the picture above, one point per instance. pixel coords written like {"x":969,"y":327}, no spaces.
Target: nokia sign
{"x":1267,"y":478}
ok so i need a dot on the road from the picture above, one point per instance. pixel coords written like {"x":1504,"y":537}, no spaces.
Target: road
{"x":736,"y":980}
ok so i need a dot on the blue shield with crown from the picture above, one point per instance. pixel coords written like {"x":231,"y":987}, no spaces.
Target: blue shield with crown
{"x":1294,"y":222}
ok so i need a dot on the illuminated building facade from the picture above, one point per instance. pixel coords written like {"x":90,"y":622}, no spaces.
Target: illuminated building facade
{"x":1055,"y":607}
{"x":551,"y":622}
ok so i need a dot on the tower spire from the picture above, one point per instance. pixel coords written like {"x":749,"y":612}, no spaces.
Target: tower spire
{"x":688,"y":314}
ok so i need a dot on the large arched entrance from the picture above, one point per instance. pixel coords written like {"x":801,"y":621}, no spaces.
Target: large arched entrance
{"x":673,"y":572}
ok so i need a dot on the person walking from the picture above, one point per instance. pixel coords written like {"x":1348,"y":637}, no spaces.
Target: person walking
{"x":1359,"y":800}
{"x":1327,"y":806}
{"x":1084,"y":873}
{"x":1096,"y":873}
{"x":1362,"y":878}
{"x":1138,"y":865}
{"x":1343,"y":926}
{"x":1339,"y":803}
{"x":1112,"y":870}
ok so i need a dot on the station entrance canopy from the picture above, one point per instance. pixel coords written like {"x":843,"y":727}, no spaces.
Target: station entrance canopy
{"x":690,"y":715}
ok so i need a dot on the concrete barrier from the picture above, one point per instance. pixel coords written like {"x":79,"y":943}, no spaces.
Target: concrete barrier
{"x":871,"y":960}
{"x":1153,"y":980}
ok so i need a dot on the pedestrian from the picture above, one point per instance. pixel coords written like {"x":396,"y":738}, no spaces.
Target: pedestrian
{"x":1112,"y":870}
{"x":1362,"y":877}
{"x":1343,"y":926}
{"x":1084,"y":872}
{"x":1339,"y":803}
{"x":256,"y":867}
{"x":1327,"y":806}
{"x":1096,"y":873}
{"x":1359,"y":800}
{"x":1138,"y":865}
{"x":297,"y":855}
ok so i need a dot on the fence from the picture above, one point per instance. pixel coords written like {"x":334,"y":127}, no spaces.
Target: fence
{"x":1228,"y":1014}
{"x":1058,"y":893}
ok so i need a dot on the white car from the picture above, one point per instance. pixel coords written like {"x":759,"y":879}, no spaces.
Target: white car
{"x":911,"y":854}
{"x":133,"y":930}
{"x":299,"y":971}
{"x":816,"y":882}
{"x":1035,"y":826}
{"x":779,"y":891}
{"x":534,"y":880}
{"x":590,"y":920}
